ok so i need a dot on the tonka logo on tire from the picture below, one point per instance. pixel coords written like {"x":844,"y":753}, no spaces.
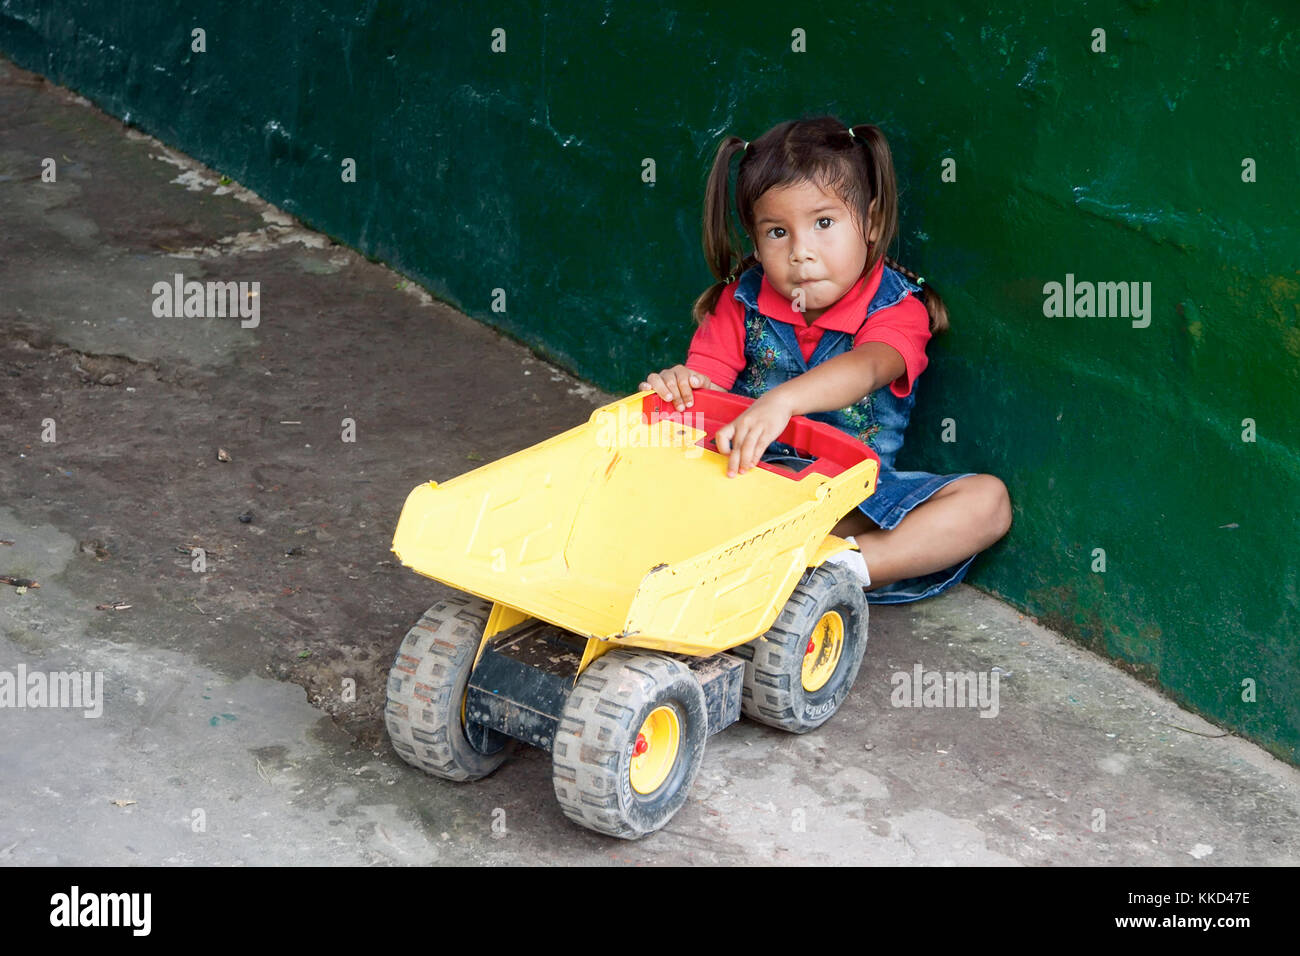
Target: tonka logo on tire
{"x":825,"y":707}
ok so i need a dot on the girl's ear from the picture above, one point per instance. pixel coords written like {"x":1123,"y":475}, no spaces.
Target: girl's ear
{"x":874,"y":235}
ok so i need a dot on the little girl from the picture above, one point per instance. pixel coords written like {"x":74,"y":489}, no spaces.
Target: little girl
{"x":818,"y":322}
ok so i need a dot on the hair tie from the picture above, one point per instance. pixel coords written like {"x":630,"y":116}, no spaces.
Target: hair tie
{"x":745,"y":148}
{"x":920,"y":280}
{"x":731,"y":278}
{"x":852,"y":135}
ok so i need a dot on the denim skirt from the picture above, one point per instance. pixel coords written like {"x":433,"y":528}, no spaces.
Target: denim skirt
{"x":897,"y":493}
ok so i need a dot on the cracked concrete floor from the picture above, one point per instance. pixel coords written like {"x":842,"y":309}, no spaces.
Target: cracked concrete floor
{"x":226,"y":737}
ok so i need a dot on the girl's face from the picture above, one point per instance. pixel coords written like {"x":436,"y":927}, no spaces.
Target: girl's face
{"x":809,"y":245}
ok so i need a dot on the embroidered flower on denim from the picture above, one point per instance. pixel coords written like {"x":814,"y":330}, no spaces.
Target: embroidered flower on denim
{"x":762,"y":353}
{"x":755,"y":378}
{"x":861,"y":419}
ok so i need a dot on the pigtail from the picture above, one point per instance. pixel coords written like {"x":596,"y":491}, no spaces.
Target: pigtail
{"x":883,"y":189}
{"x":722,"y":246}
{"x":929,"y":298}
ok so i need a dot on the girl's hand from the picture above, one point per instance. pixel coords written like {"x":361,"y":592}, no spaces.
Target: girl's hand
{"x":746,"y":438}
{"x":675,"y":385}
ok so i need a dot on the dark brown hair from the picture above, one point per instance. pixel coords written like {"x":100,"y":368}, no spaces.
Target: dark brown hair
{"x":819,"y":150}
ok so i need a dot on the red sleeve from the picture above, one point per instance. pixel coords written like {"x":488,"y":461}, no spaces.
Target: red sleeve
{"x":906,"y":327}
{"x":718,"y":346}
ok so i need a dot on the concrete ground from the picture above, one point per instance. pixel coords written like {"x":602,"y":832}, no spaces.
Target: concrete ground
{"x":227,"y":736}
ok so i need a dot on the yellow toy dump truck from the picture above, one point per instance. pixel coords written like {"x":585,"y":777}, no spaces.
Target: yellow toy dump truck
{"x":622,"y":599}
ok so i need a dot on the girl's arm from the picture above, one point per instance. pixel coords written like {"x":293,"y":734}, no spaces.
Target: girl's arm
{"x":843,"y":380}
{"x":834,"y":384}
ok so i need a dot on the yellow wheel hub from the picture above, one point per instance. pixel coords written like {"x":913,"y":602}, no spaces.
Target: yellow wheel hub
{"x":822,"y":654}
{"x":655,"y":750}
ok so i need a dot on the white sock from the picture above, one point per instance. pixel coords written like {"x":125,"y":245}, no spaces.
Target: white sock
{"x":854,"y":561}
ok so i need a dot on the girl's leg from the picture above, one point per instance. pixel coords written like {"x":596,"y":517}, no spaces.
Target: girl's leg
{"x":960,"y":519}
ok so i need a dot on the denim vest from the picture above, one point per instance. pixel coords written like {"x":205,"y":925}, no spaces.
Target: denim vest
{"x":773,"y":356}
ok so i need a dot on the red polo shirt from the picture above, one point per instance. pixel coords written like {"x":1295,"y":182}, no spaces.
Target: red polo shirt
{"x":718,"y":347}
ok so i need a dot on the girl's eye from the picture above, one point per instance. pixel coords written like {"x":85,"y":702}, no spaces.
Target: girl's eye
{"x":773,"y":232}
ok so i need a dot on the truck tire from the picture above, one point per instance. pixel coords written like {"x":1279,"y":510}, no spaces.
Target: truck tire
{"x":426,"y":694}
{"x":802,"y":669}
{"x":629,"y":744}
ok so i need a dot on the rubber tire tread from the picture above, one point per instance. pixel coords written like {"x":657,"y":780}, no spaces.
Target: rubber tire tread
{"x":597,"y":731}
{"x":426,"y":686}
{"x":773,"y":692}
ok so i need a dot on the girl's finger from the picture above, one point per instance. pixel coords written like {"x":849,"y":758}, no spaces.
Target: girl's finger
{"x":661,"y":388}
{"x":732,"y":448}
{"x":684,"y":387}
{"x":744,"y":451}
{"x":758,"y":446}
{"x":747,"y":455}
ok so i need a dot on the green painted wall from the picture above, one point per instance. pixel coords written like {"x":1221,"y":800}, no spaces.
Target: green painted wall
{"x":522,"y":171}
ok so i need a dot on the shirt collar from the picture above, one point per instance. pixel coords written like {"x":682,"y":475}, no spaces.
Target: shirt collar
{"x":844,"y":316}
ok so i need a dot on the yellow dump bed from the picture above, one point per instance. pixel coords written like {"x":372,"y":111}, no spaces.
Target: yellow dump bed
{"x":627,"y":528}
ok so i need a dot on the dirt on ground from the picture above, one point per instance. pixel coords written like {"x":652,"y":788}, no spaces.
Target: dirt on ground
{"x":146,"y":438}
